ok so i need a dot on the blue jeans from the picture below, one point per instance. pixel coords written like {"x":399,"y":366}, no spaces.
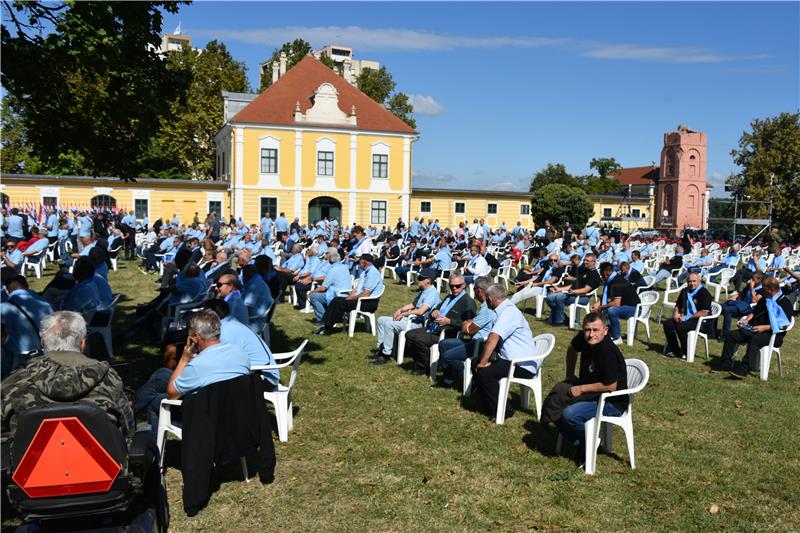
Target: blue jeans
{"x":615,"y":314}
{"x":558,"y":301}
{"x":574,"y":416}
{"x":318,"y":304}
{"x":730,"y":310}
{"x":661,"y":275}
{"x":453,"y":354}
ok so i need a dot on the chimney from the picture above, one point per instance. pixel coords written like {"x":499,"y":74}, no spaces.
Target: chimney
{"x":274,"y":72}
{"x":283,"y":64}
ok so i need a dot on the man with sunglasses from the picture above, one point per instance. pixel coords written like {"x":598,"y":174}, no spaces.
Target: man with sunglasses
{"x":12,"y":257}
{"x":227,"y":288}
{"x":448,"y":316}
{"x":587,"y":280}
{"x":534,"y":286}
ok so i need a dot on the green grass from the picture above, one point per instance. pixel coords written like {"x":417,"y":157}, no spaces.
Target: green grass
{"x":376,"y":449}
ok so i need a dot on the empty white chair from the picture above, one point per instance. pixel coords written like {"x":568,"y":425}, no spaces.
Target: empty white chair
{"x":574,"y":315}
{"x":51,"y":251}
{"x":643,"y":311}
{"x":369,"y":315}
{"x":693,"y":336}
{"x":281,"y":397}
{"x":542,"y":346}
{"x":506,"y":272}
{"x":35,"y":263}
{"x":596,"y":433}
{"x":649,"y":281}
{"x":669,"y":305}
{"x":765,"y":355}
{"x":725,"y":276}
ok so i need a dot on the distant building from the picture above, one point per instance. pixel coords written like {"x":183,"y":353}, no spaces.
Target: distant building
{"x":342,"y":56}
{"x":175,"y":41}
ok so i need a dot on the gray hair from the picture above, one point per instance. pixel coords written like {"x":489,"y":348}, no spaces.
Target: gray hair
{"x":312,"y":251}
{"x":62,"y":332}
{"x":456,"y":277}
{"x":496,"y":291}
{"x":482,"y":283}
{"x":206,"y":324}
{"x":333,"y":256}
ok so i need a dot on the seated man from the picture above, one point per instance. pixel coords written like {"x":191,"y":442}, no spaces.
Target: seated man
{"x":740,"y":303}
{"x":369,"y":282}
{"x":12,"y":258}
{"x":22,"y":313}
{"x":288,"y":270}
{"x":694,"y":301}
{"x":743,"y":275}
{"x":770,"y":317}
{"x":190,"y":285}
{"x":227,"y":288}
{"x":416,"y":312}
{"x":389,"y":254}
{"x":64,"y":375}
{"x":476,"y":265}
{"x":35,"y":249}
{"x":313,"y":272}
{"x":701,"y":265}
{"x":448,"y":316}
{"x":602,"y":369}
{"x":510,"y":338}
{"x":411,"y":261}
{"x":534,"y":286}
{"x":83,"y":297}
{"x":559,"y":298}
{"x":257,"y":298}
{"x":636,"y":264}
{"x":666,"y":267}
{"x":633,"y":276}
{"x":337,"y":279}
{"x":455,"y":351}
{"x":618,"y":302}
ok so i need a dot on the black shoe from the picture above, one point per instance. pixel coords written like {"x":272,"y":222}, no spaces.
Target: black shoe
{"x":670,"y":355}
{"x":379,"y":361}
{"x":322,"y":332}
{"x":739,"y":373}
{"x":378,"y":355}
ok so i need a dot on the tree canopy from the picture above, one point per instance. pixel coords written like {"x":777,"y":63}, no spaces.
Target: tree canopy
{"x":378,"y":85}
{"x":772,"y":148}
{"x":554,"y":173}
{"x":294,"y":50}
{"x":94,"y":86}
{"x":560,"y":203}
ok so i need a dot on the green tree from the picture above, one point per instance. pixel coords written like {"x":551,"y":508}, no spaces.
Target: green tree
{"x":15,"y":155}
{"x":326,"y":60}
{"x":771,"y":152}
{"x":377,"y":84}
{"x":605,"y":166}
{"x":93,"y":86}
{"x":187,"y":131}
{"x":294,"y":50}
{"x":400,"y":107}
{"x":552,"y":174}
{"x":561,"y":203}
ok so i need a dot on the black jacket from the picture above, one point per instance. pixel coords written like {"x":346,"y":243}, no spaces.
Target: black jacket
{"x":223,"y":421}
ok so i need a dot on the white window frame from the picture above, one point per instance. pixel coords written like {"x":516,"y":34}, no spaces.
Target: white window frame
{"x":422,"y":203}
{"x":488,"y":211}
{"x":525,"y":210}
{"x":147,"y":207}
{"x":381,"y":148}
{"x":372,"y":211}
{"x":326,"y":144}
{"x":268,"y":142}
{"x":455,"y":208}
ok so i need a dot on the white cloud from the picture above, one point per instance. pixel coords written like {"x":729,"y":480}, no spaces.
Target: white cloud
{"x":429,"y":178}
{"x":425,"y":105}
{"x":395,"y":39}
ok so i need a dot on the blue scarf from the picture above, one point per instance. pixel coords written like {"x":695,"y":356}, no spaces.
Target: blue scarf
{"x":445,"y":308}
{"x":690,"y":307}
{"x":605,"y":287}
{"x":749,"y":298}
{"x":777,"y":317}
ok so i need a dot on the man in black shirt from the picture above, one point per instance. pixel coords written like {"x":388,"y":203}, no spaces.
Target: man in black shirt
{"x":631,"y":274}
{"x":619,"y":300}
{"x":602,"y":369}
{"x":588,"y":280}
{"x":755,"y":330}
{"x":694,"y":302}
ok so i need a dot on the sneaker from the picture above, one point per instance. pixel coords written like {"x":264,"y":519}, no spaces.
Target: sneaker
{"x":739,"y":373}
{"x":670,"y":355}
{"x":322,"y":332}
{"x":617,"y":341}
{"x":379,"y":361}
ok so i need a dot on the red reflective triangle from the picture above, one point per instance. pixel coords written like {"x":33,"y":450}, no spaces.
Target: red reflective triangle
{"x":64,"y":459}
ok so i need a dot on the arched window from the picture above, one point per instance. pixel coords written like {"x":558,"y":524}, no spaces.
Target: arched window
{"x":5,"y":201}
{"x":104,"y":201}
{"x":672,"y":163}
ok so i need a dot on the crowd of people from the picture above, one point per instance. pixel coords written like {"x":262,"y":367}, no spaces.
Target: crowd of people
{"x":233,"y":275}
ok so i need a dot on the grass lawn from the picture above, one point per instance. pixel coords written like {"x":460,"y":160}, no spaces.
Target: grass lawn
{"x":377,"y":449}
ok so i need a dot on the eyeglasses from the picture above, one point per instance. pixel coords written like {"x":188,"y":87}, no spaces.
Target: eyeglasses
{"x":554,"y":260}
{"x":221,"y":283}
{"x":458,"y":286}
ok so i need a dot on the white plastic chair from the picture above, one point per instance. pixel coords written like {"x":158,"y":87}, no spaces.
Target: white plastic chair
{"x":445,"y":276}
{"x":281,"y":397}
{"x":725,"y":276}
{"x":466,"y":376}
{"x":401,"y":341}
{"x":540,"y":297}
{"x":574,"y":315}
{"x":433,"y":366}
{"x":693,"y":336}
{"x":638,"y":375}
{"x":35,"y":263}
{"x":543,"y":345}
{"x":649,"y":281}
{"x":101,"y":323}
{"x":506,"y":272}
{"x":643,"y":311}
{"x":370,"y":315}
{"x":669,"y":305}
{"x":51,"y":251}
{"x":765,"y":355}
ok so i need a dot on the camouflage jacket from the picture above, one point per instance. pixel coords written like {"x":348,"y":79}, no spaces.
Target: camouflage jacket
{"x":57,"y":377}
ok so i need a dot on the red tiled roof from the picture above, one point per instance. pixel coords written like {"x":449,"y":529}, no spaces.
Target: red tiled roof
{"x":637,"y":175}
{"x":276,"y":105}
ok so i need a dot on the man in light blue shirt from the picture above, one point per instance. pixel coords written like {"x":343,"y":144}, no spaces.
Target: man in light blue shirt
{"x":442,"y":259}
{"x":84,"y":296}
{"x":228,"y":289}
{"x":190,"y":285}
{"x":281,"y":225}
{"x":369,"y":285}
{"x":409,"y":316}
{"x":84,"y":225}
{"x":266,"y":226}
{"x":21,"y":329}
{"x":337,"y":279}
{"x":257,"y":298}
{"x":39,"y":247}
{"x":511,"y":339}
{"x":12,"y":256}
{"x":52,"y":226}
{"x":14,"y":225}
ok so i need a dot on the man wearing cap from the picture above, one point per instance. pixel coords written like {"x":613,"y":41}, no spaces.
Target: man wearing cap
{"x":416,"y":312}
{"x":370,"y":281}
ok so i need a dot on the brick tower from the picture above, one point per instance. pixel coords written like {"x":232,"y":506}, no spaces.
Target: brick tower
{"x":682,"y":190}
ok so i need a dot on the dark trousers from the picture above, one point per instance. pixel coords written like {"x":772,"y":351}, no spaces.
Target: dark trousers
{"x":284,"y":279}
{"x":741,"y":278}
{"x":676,"y":334}
{"x":130,"y":246}
{"x":488,"y":380}
{"x":754,"y":342}
{"x":302,"y":293}
{"x":418,"y":344}
{"x":340,"y":305}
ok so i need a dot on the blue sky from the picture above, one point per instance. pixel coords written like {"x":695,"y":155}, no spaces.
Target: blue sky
{"x":502,"y":89}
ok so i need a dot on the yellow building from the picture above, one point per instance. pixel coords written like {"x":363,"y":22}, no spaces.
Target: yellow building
{"x":294,"y":149}
{"x":452,"y":207}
